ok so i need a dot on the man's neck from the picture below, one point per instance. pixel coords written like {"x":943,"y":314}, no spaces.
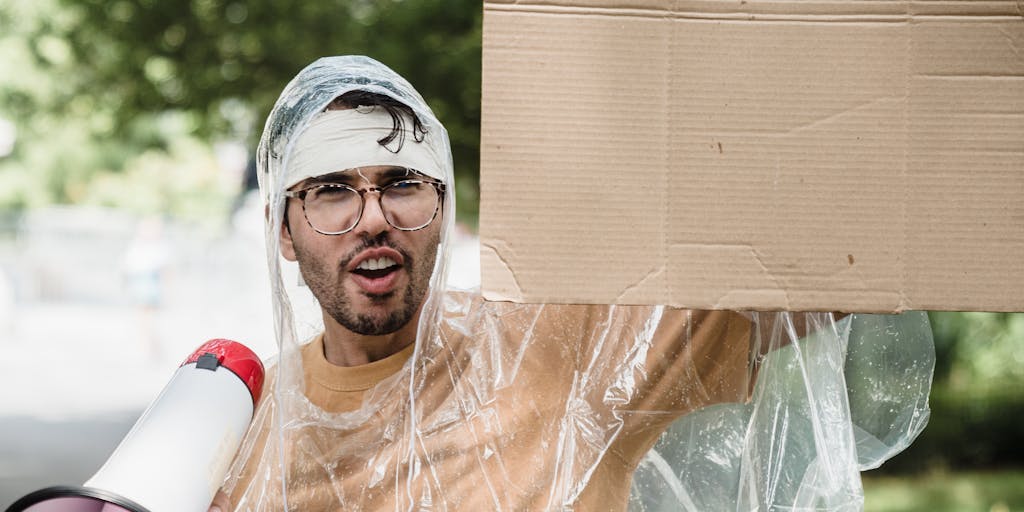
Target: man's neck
{"x":343,"y":347}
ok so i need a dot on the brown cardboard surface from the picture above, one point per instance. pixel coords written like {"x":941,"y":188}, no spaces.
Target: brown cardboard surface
{"x":848,"y":155}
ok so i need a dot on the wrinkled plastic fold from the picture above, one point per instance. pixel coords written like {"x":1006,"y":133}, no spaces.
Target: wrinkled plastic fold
{"x":824,"y":407}
{"x":503,"y":406}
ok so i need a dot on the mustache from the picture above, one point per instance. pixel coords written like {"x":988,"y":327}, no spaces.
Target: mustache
{"x":380,"y":240}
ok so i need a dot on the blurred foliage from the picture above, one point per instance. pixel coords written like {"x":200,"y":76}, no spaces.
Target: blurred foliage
{"x":72,"y":149}
{"x":945,"y":492}
{"x":979,"y":351}
{"x":116,"y":67}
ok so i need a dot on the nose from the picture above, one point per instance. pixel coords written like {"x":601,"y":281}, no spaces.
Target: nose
{"x":372,"y":222}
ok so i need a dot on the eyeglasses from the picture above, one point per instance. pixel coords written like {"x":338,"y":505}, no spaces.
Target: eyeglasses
{"x":335,"y":208}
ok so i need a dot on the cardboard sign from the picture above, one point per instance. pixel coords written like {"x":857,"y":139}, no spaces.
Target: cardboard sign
{"x":842,"y":155}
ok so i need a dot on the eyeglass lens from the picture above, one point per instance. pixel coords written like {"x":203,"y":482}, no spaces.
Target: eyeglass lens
{"x":406,"y":204}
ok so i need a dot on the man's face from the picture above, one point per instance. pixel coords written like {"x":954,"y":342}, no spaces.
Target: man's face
{"x":373,"y":279}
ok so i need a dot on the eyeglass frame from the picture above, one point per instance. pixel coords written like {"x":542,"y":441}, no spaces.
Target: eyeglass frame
{"x":301,"y":196}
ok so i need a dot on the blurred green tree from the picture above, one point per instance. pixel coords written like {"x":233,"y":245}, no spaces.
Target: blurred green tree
{"x":222,"y":63}
{"x":979,"y":352}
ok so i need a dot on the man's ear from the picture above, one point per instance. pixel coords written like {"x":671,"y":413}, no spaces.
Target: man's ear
{"x":287,"y":245}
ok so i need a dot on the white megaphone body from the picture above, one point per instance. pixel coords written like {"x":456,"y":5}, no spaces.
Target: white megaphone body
{"x":174,"y":458}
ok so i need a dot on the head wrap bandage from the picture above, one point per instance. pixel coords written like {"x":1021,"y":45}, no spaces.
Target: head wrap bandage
{"x":337,"y":140}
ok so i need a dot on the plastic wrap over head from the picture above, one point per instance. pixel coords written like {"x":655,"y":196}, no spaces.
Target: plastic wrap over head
{"x":500,"y":406}
{"x":302,"y":103}
{"x":313,"y":89}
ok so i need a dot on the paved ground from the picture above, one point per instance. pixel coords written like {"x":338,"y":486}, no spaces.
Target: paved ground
{"x":37,"y":453}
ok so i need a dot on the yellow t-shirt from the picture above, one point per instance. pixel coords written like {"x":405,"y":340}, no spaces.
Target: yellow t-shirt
{"x":554,"y":409}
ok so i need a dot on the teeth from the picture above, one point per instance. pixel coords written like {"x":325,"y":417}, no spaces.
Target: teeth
{"x":376,"y":264}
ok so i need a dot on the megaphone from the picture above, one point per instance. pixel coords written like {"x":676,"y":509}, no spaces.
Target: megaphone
{"x":175,"y":456}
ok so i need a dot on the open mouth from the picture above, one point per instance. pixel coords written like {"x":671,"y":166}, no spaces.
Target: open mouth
{"x":377,"y":271}
{"x":375,"y":268}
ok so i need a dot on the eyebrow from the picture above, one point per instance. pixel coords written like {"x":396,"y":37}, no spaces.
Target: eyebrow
{"x":347,"y":177}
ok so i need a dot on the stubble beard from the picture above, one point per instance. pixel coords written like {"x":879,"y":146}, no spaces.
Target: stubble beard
{"x":332,"y":297}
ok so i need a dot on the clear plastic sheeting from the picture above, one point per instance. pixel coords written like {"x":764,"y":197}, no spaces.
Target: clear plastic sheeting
{"x":500,"y":406}
{"x":844,"y":399}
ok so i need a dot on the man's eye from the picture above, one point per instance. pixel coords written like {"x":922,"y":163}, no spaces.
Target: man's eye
{"x":332,"y":194}
{"x":406,"y":187}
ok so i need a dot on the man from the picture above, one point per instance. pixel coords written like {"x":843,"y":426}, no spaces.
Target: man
{"x":407,"y":396}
